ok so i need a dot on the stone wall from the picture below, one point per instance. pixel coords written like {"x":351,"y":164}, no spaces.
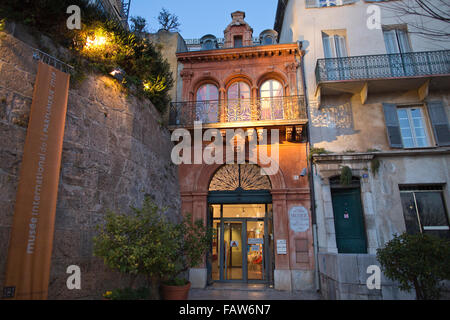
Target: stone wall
{"x":344,"y":277}
{"x":115,"y":151}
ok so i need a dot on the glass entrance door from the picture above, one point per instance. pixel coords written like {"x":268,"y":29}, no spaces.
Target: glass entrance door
{"x":241,"y":243}
{"x":255,"y":249}
{"x":233,"y":250}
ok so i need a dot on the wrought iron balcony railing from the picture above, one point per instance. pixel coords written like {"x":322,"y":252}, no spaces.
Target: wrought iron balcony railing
{"x":383,"y":66}
{"x":240,"y":110}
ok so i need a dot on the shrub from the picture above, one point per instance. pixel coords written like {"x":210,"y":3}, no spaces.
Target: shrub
{"x":346,"y":176}
{"x":421,"y":261}
{"x":127,"y":294}
{"x":147,"y":73}
{"x":146,"y":243}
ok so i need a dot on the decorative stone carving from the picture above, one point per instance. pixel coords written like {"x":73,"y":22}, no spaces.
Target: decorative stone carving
{"x":186,"y":74}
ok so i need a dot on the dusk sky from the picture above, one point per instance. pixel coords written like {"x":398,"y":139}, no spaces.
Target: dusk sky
{"x":200,"y":17}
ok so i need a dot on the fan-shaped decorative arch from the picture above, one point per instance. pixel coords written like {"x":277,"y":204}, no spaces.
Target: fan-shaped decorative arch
{"x":233,"y":177}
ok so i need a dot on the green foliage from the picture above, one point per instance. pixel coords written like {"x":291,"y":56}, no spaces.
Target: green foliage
{"x":375,"y":166}
{"x":138,"y":57}
{"x":128,"y":294}
{"x":420,"y":261}
{"x":168,"y":21}
{"x":146,"y":242}
{"x":136,"y":243}
{"x":346,"y":176}
{"x":176,"y":282}
{"x":138,"y":24}
{"x":316,"y":151}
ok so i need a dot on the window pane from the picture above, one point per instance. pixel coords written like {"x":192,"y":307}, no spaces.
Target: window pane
{"x":207,"y":104}
{"x":326,"y":46}
{"x":432,"y":213}
{"x":244,"y":90}
{"x":409,"y":212}
{"x":207,"y":92}
{"x":238,"y":41}
{"x":431,"y":209}
{"x":233,"y":91}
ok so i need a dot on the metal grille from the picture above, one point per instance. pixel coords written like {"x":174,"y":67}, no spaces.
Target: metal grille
{"x":244,"y":176}
{"x":383,"y":66}
{"x":277,"y":108}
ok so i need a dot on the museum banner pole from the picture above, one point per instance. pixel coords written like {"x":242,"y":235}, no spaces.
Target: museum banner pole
{"x":31,"y":239}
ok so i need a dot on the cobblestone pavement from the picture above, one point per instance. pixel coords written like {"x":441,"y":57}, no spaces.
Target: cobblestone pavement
{"x":226,"y":291}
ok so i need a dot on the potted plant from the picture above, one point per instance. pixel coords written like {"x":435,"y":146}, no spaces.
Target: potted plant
{"x":137,"y":243}
{"x":191,"y":241}
{"x":145,"y":242}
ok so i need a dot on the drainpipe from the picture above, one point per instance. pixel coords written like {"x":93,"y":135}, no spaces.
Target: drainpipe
{"x":311,"y":175}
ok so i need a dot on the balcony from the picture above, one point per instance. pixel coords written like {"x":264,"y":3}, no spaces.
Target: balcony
{"x":383,"y":73}
{"x":241,"y":113}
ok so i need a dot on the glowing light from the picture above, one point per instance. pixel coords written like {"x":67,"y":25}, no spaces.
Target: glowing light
{"x":96,"y":41}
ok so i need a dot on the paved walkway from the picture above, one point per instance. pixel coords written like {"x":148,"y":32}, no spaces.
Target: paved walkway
{"x":238,"y":291}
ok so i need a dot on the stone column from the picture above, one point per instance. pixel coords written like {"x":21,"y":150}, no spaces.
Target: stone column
{"x":282,"y":273}
{"x":198,"y":274}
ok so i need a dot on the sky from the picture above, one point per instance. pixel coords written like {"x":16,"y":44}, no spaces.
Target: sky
{"x":200,"y":17}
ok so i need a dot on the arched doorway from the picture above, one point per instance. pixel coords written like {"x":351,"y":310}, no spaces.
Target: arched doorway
{"x":240,"y":213}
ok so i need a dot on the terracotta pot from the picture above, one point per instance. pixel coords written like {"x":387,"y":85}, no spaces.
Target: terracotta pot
{"x":175,"y":292}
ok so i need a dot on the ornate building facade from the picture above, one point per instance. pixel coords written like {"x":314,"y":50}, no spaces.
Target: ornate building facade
{"x":260,"y":217}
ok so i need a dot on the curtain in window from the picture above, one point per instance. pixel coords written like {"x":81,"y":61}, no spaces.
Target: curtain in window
{"x":238,"y":106}
{"x":271,"y":100}
{"x":397,"y":42}
{"x":207,"y":105}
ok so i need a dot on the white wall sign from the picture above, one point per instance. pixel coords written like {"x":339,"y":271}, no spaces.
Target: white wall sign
{"x":298,"y":219}
{"x":281,"y":246}
{"x":255,"y":240}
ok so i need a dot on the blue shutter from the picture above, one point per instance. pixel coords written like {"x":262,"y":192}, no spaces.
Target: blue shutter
{"x":439,"y":121}
{"x":392,"y":125}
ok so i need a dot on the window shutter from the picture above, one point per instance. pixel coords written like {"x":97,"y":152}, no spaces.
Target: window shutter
{"x":311,"y":4}
{"x":403,"y":41}
{"x":327,"y":46}
{"x":392,"y":125}
{"x":390,"y":41}
{"x":439,"y":121}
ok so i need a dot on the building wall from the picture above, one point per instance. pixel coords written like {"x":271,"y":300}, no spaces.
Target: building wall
{"x":253,"y":65}
{"x":114,"y":152}
{"x":169,"y":43}
{"x":355,"y":133}
{"x":306,"y":24}
{"x":294,"y":271}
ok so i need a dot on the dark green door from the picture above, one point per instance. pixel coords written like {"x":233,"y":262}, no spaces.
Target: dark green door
{"x":348,"y":221}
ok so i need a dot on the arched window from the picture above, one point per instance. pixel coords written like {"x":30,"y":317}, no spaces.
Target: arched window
{"x":267,"y":40}
{"x":207,"y":104}
{"x":271,"y":100}
{"x":239,"y":106}
{"x":232,"y":177}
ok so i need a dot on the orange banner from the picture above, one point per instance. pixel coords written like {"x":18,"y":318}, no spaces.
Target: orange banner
{"x":31,"y":242}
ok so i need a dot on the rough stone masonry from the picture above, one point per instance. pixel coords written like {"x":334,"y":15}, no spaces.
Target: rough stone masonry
{"x":115,"y":151}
